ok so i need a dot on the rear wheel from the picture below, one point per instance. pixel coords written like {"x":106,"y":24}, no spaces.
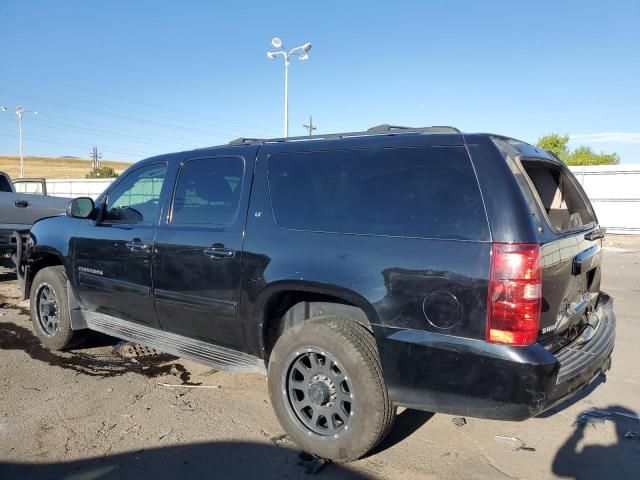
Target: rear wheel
{"x":50,"y":310}
{"x":327,"y":389}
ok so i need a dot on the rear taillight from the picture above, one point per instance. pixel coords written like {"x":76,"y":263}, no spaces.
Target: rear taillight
{"x":515,"y":294}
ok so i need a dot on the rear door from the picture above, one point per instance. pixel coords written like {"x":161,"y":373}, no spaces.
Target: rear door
{"x":570,"y":251}
{"x":199,"y":249}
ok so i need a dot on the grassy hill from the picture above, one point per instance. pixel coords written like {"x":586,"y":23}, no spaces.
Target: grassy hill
{"x":53,"y":167}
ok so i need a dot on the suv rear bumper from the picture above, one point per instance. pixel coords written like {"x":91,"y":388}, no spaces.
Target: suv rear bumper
{"x":440,"y":373}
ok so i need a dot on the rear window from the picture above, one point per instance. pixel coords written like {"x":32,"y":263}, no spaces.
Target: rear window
{"x":563,"y":203}
{"x":428,"y":192}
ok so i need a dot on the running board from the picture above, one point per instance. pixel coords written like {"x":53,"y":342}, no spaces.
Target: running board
{"x":218,"y":357}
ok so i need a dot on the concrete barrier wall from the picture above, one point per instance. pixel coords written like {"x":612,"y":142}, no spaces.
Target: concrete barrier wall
{"x":614,"y":191}
{"x":77,"y":187}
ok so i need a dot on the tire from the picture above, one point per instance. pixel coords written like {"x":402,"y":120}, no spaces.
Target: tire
{"x":50,"y":310}
{"x":331,"y":365}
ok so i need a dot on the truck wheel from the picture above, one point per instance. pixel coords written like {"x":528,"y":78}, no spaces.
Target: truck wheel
{"x":327,"y":389}
{"x":50,"y":310}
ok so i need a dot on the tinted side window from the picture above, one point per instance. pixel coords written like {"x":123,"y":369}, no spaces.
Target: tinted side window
{"x":428,"y":192}
{"x":4,"y":184}
{"x":208,"y":191}
{"x":136,"y":198}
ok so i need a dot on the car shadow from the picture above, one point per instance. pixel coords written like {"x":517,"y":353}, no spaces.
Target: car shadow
{"x":95,"y":364}
{"x":211,"y":460}
{"x":405,"y":425}
{"x":578,"y":460}
{"x":7,"y":274}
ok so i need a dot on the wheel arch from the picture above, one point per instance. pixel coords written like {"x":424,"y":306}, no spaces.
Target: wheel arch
{"x":292,"y":303}
{"x":38,"y":261}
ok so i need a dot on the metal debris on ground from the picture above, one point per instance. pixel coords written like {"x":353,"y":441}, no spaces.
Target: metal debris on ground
{"x":311,"y":463}
{"x":592,"y":417}
{"x":595,"y":416}
{"x":171,"y":385}
{"x":459,"y":421}
{"x":521,"y":446}
{"x":133,"y":350}
{"x":279,"y":439}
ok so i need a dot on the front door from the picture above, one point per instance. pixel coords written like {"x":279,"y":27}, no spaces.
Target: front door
{"x":198,"y":250}
{"x":113,"y":255}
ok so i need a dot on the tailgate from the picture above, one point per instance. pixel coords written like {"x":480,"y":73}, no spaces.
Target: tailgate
{"x":571,"y":272}
{"x":571,"y":253}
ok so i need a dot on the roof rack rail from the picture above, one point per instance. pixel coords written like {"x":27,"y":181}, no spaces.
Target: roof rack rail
{"x":243,"y":141}
{"x":384,"y":129}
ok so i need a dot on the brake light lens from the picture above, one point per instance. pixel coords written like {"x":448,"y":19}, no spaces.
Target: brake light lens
{"x":515,"y":294}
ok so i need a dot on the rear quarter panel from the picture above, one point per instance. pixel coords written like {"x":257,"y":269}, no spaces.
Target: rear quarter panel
{"x":389,"y":278}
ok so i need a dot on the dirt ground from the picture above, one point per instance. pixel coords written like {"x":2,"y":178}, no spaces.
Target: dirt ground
{"x":93,"y":414}
{"x":53,"y":167}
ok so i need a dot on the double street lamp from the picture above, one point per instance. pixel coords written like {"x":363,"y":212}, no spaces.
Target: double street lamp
{"x":301,"y":53}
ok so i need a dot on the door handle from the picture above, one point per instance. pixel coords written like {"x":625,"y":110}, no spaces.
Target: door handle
{"x":21,"y":203}
{"x":218,"y":252}
{"x":137,"y":245}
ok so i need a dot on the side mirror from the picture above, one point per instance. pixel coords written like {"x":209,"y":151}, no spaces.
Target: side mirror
{"x":81,"y":207}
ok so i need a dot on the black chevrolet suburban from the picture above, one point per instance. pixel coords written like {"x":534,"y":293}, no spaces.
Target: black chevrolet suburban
{"x":417,"y":267}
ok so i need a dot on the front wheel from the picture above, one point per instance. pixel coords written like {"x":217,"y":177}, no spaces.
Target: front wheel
{"x":50,"y":310}
{"x":327,"y":389}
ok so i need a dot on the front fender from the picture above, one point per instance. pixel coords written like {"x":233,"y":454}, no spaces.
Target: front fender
{"x":51,"y":242}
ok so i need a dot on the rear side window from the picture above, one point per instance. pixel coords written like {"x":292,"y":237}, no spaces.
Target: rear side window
{"x":565,"y":207}
{"x":428,"y":192}
{"x":208,"y":191}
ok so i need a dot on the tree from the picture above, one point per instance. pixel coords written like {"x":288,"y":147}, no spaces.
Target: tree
{"x":556,"y":143}
{"x":582,"y":155}
{"x":102,"y":172}
{"x":586,"y":156}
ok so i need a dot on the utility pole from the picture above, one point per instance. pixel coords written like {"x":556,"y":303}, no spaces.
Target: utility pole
{"x":95,"y":158}
{"x":310,"y":127}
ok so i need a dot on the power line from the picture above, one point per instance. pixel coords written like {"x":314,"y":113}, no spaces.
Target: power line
{"x":147,"y":104}
{"x":137,"y":120}
{"x":116,"y":135}
{"x":79,"y":146}
{"x":88,"y":126}
{"x":73,"y":145}
{"x":222,"y":132}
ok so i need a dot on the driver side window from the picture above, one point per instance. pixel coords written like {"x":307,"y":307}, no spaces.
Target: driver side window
{"x":136,"y":198}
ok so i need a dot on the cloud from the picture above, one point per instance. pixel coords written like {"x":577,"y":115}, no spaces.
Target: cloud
{"x":607,"y":137}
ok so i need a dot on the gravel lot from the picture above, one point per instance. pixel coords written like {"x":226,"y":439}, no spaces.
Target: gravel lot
{"x":94,"y":414}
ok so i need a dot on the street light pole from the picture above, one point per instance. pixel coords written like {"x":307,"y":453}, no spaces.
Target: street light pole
{"x":20,"y":111}
{"x":286,"y":97}
{"x":301,"y":53}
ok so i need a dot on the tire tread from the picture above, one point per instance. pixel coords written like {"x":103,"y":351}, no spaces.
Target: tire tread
{"x":67,"y":338}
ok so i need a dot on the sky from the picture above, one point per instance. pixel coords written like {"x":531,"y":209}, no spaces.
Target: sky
{"x":139,"y":78}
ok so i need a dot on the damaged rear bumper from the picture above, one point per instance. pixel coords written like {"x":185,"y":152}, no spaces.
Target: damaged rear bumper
{"x":441,"y":373}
